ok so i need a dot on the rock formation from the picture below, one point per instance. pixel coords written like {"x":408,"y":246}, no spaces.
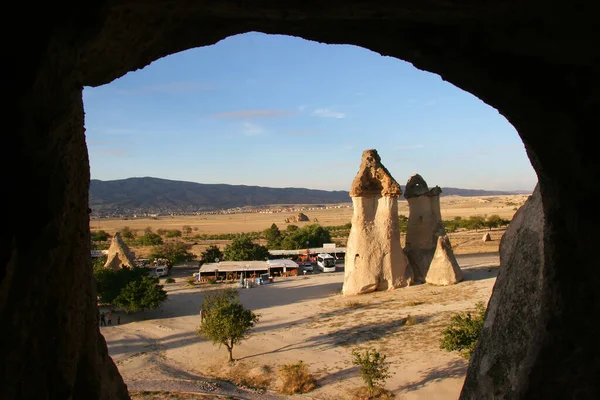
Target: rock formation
{"x":486,"y":237}
{"x":301,"y":217}
{"x":118,"y":254}
{"x":374,"y":257}
{"x":514,"y":324}
{"x":425,"y":225}
{"x":444,"y":269}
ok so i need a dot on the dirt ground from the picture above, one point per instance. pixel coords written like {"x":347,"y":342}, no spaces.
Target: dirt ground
{"x":306,"y":318}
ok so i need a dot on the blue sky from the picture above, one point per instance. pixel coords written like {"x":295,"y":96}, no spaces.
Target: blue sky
{"x":280,"y":111}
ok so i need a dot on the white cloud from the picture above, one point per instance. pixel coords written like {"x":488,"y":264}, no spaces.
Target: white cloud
{"x":327,"y":113}
{"x":250,"y":129}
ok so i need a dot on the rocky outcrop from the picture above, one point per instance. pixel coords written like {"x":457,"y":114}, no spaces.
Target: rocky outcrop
{"x":502,"y":363}
{"x":425,"y":225}
{"x":119,"y":255}
{"x":301,"y":217}
{"x":374,"y":257}
{"x":444,"y":269}
{"x":486,"y":237}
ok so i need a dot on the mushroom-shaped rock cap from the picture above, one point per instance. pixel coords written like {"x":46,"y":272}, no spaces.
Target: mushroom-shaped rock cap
{"x":373,"y":178}
{"x":416,"y":186}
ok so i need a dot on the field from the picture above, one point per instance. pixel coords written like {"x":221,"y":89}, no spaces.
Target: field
{"x":451,"y":206}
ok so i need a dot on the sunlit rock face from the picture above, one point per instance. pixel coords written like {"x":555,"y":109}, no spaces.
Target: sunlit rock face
{"x":374,"y":257}
{"x":119,"y":255}
{"x":425,"y":225}
{"x":444,"y":269}
{"x":514,"y":326}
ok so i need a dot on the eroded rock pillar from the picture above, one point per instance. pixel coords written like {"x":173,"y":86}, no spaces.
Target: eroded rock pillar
{"x":374,"y":257}
{"x":424,"y":225}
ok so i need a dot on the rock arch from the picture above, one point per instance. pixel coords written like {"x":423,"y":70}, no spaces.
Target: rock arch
{"x":537,"y":64}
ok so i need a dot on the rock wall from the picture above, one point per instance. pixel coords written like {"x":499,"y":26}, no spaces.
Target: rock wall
{"x":374,"y":256}
{"x":504,"y":53}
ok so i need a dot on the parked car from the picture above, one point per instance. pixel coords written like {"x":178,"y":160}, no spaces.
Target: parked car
{"x":161,"y":271}
{"x":307,"y":266}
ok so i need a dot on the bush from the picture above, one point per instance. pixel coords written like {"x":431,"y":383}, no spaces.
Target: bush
{"x":99,"y":236}
{"x":373,"y":368}
{"x":191,"y":281}
{"x":463,"y":332}
{"x":296,"y":378}
{"x":169,"y":280}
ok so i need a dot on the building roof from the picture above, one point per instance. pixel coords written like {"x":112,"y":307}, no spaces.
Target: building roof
{"x":316,"y":250}
{"x":234,"y":266}
{"x":282,"y":262}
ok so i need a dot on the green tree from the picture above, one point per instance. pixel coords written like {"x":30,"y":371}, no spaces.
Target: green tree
{"x":373,"y":368}
{"x":402,"y":223}
{"x":224,"y":320}
{"x":98,"y":262}
{"x":173,"y":252}
{"x":187,"y":230}
{"x":109,"y":282}
{"x":242,"y":248}
{"x":127,"y":233}
{"x":99,"y":236}
{"x":494,"y":221}
{"x":141,"y":294}
{"x":314,"y":234}
{"x":474,"y":222}
{"x":273,"y":236}
{"x":210,"y":254}
{"x":463,"y":331}
{"x":149,"y":239}
{"x":173,"y":233}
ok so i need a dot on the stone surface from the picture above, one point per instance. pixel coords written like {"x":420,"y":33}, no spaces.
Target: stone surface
{"x":119,"y":255}
{"x":424,"y":226}
{"x":486,"y":237}
{"x":373,"y":179}
{"x":514,"y":323}
{"x":444,"y":269}
{"x":374,"y":257}
{"x":504,"y":53}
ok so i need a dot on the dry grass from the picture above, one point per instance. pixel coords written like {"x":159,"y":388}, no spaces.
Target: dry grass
{"x":247,"y":376}
{"x":295,"y":378}
{"x":151,"y":395}
{"x":379,"y":393}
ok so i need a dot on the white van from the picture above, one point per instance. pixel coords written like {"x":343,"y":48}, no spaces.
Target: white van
{"x":161,"y":271}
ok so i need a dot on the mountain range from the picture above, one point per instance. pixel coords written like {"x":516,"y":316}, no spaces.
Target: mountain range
{"x":149,"y":194}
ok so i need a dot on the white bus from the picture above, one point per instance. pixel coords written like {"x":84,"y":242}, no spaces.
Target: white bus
{"x":325,"y":262}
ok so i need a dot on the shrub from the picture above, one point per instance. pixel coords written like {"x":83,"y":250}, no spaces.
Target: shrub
{"x":463,"y":332}
{"x":169,"y":280}
{"x":296,"y":378}
{"x":410,"y":320}
{"x":373,"y":368}
{"x":191,"y":281}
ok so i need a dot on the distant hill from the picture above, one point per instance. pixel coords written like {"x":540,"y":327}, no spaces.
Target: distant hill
{"x":155,"y":195}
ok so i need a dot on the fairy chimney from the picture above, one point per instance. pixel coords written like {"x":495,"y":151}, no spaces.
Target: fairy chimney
{"x":425,"y":225}
{"x":486,"y":237}
{"x":444,"y":269}
{"x":374,"y":257}
{"x":118,"y":254}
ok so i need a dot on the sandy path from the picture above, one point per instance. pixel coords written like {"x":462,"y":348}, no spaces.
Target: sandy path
{"x":305,"y":318}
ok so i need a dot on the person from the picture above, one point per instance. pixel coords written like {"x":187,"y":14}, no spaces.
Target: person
{"x":118,"y":320}
{"x":102,"y":319}
{"x":109,"y":318}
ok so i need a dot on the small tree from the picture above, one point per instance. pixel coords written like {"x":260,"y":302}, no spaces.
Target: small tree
{"x":141,"y":294}
{"x":173,"y":252}
{"x":373,"y":368}
{"x":149,"y":239}
{"x":187,"y":230}
{"x":463,"y":332}
{"x":173,"y":233}
{"x":99,"y":236}
{"x":242,"y":248}
{"x":273,"y":236}
{"x":224,"y":320}
{"x":127,"y":233}
{"x":210,"y":254}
